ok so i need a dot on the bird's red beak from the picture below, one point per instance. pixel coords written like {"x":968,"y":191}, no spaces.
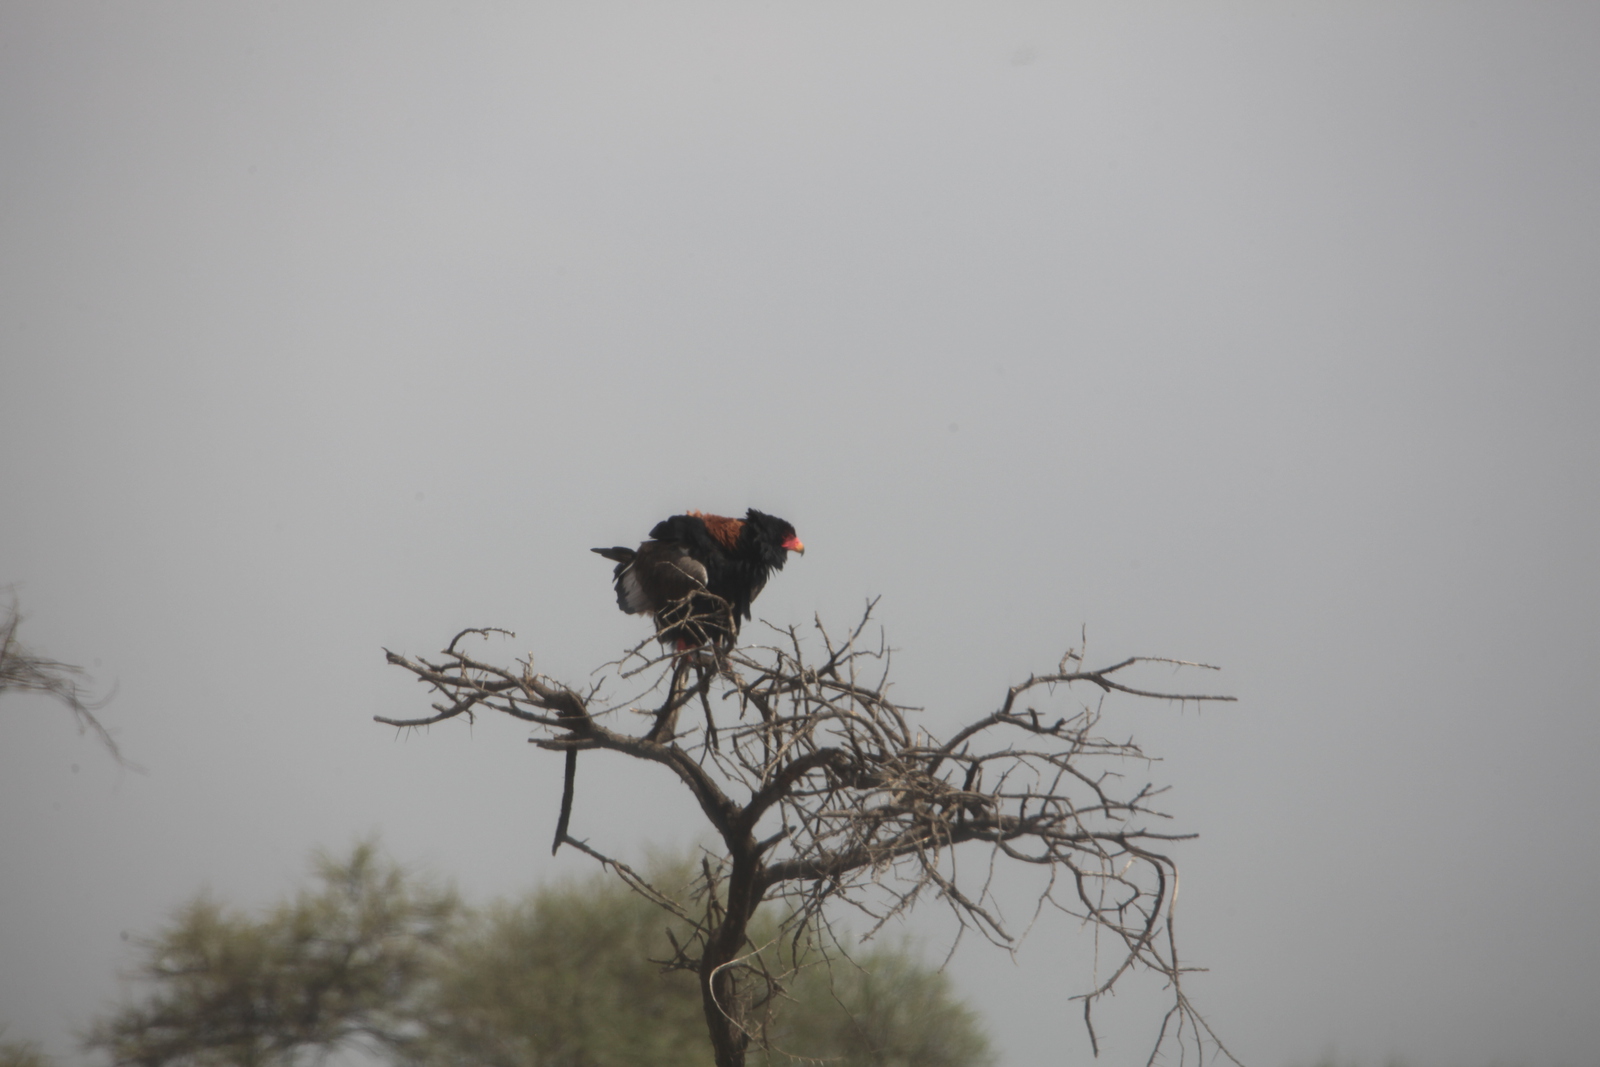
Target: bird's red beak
{"x":793,"y":545}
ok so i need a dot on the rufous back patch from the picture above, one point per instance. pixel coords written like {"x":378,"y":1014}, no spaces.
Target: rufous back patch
{"x":723,"y":530}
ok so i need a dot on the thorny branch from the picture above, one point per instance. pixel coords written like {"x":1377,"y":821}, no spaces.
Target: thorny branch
{"x":824,"y":794}
{"x":24,"y":670}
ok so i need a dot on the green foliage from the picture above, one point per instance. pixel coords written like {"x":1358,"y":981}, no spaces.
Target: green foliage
{"x":883,"y":1009}
{"x":22,"y":1054}
{"x":563,"y":976}
{"x":346,"y":963}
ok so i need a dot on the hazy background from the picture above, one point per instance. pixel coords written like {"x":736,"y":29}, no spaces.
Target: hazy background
{"x":1258,"y":334}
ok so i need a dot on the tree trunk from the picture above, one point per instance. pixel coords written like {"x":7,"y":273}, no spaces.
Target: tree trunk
{"x":726,"y":1004}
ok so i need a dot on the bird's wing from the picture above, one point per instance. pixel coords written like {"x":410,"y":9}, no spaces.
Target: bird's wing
{"x":658,"y":574}
{"x":675,"y":573}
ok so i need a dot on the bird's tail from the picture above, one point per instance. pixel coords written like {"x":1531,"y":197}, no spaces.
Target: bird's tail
{"x":623,"y":557}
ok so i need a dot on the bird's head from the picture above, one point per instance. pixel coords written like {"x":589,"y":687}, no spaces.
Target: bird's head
{"x":774,"y":531}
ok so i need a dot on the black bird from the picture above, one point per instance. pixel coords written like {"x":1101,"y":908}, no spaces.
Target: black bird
{"x":692,"y":554}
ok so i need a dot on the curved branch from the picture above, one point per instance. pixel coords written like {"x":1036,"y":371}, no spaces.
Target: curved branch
{"x":856,"y":806}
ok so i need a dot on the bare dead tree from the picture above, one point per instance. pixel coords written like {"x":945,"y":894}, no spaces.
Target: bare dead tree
{"x":823,"y":792}
{"x":23,"y":670}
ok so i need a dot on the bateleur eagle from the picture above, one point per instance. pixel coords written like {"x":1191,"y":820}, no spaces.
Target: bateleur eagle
{"x":697,"y":553}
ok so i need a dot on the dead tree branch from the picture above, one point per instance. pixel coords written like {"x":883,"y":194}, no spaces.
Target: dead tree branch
{"x":823,"y":794}
{"x":23,"y":670}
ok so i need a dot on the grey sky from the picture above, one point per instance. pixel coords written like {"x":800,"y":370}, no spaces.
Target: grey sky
{"x":1257,"y":334}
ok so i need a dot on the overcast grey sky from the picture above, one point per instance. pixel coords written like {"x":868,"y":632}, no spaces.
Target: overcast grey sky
{"x":1262,"y":334}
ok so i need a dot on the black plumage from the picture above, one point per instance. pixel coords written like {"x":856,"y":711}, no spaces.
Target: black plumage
{"x":694,"y":554}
